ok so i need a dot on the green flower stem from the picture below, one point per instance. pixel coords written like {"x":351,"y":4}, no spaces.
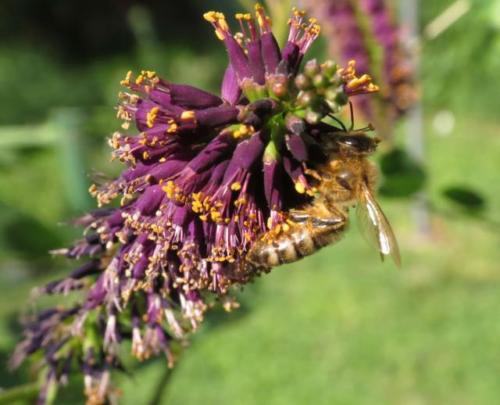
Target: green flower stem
{"x":276,"y":126}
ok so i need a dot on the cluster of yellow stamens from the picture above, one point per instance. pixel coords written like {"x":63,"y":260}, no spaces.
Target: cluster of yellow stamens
{"x":174,"y":192}
{"x":173,"y":126}
{"x":123,"y":114}
{"x":218,"y":20}
{"x":146,"y":77}
{"x":240,"y":131}
{"x":357,"y":83}
{"x":311,"y":28}
{"x":206,"y":208}
{"x":151,"y":116}
{"x":263,"y":20}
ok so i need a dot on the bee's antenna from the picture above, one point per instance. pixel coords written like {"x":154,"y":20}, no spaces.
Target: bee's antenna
{"x":339,"y":122}
{"x":352,"y":116}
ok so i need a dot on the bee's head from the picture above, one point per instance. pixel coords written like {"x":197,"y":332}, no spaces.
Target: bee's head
{"x":349,"y":143}
{"x":352,"y":143}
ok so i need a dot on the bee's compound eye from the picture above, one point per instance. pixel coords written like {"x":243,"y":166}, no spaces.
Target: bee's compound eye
{"x":346,"y":179}
{"x":358,"y":143}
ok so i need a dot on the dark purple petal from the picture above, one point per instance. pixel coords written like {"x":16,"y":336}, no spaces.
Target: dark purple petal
{"x":161,"y":97}
{"x":255,"y":61}
{"x":294,"y":170}
{"x":149,"y":202}
{"x":297,"y":147}
{"x":139,"y":269}
{"x":218,"y":148}
{"x":96,"y":294}
{"x":270,"y":52}
{"x":218,"y":173}
{"x":237,"y":58}
{"x":216,"y":116}
{"x":230,"y":90}
{"x":182,"y":216}
{"x":273,"y":175}
{"x":163,"y":171}
{"x":192,"y":97}
{"x":291,"y":55}
{"x":90,"y":268}
{"x":134,"y":172}
{"x":245,"y":155}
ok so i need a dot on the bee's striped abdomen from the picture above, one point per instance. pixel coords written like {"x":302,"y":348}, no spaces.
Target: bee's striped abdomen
{"x":293,"y":246}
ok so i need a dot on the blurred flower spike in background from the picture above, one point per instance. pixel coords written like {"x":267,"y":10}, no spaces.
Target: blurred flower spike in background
{"x":366,"y":31}
{"x":205,"y":177}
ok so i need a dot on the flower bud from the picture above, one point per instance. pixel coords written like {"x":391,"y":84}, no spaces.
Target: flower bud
{"x":329,"y":68}
{"x":294,"y":124}
{"x":277,"y":86}
{"x":320,"y":81}
{"x":313,"y":117}
{"x":312,"y":68}
{"x":302,"y":82}
{"x":305,"y":98}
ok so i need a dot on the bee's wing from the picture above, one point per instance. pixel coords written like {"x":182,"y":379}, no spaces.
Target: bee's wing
{"x":375,"y":227}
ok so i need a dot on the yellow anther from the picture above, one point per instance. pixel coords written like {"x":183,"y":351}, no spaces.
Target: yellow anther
{"x":169,"y":189}
{"x":298,"y":13}
{"x":243,"y":131}
{"x":210,"y":16}
{"x":207,"y":203}
{"x":151,"y":117}
{"x":269,"y":222}
{"x":218,"y":20}
{"x":243,"y":16}
{"x":300,"y":188}
{"x":215,"y":216}
{"x":172,"y":128}
{"x":188,"y":115}
{"x":197,"y":204}
{"x":314,"y":30}
{"x":262,"y":19}
{"x":139,"y":79}
{"x":240,"y":202}
{"x":126,"y":81}
{"x":312,"y":191}
{"x":236,"y":186}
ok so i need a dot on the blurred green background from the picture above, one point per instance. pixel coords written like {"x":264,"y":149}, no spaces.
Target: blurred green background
{"x":336,"y":328}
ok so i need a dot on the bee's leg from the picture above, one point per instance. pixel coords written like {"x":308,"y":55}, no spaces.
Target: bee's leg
{"x":313,"y":173}
{"x":328,"y":221}
{"x":299,"y":216}
{"x":336,"y":219}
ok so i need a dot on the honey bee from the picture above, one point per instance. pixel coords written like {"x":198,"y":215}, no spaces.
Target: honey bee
{"x":347,"y":179}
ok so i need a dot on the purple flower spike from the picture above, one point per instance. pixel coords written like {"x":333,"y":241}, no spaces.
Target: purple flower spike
{"x":205,"y":178}
{"x":361,"y":30}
